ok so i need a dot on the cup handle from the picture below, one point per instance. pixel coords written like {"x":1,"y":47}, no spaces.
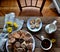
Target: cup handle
{"x":42,"y":37}
{"x":54,"y":22}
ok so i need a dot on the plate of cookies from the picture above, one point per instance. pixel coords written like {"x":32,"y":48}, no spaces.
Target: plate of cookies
{"x":34,"y":24}
{"x":20,"y":41}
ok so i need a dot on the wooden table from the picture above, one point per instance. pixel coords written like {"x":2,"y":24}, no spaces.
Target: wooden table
{"x":45,"y":20}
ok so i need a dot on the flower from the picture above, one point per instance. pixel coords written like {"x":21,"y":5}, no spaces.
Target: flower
{"x":9,"y":29}
{"x":10,"y":26}
{"x":9,"y":23}
{"x":15,"y":25}
{"x":53,"y":40}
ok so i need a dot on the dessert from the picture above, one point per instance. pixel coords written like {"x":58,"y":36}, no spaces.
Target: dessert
{"x":11,"y":40}
{"x":32,"y":21}
{"x":16,"y":35}
{"x":17,"y":44}
{"x":37,"y":20}
{"x":32,"y":26}
{"x":35,"y":23}
{"x":20,"y":41}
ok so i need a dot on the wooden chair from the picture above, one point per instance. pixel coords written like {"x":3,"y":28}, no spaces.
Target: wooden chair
{"x":41,"y":8}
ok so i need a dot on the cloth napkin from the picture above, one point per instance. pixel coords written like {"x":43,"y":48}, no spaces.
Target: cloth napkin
{"x":4,"y":36}
{"x":3,"y":40}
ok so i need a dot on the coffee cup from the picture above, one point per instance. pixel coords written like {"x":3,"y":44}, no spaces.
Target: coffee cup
{"x":50,"y":28}
{"x":46,"y":43}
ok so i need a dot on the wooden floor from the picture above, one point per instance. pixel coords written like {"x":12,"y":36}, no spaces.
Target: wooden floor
{"x":7,"y":6}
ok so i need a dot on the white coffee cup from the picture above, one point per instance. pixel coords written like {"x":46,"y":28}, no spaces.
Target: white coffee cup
{"x":42,"y":38}
{"x":50,"y":28}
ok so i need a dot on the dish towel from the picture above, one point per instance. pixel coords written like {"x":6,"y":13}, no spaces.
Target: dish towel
{"x":4,"y":35}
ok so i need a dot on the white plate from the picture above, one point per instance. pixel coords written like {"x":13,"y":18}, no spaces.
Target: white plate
{"x":32,"y":39}
{"x":35,"y":29}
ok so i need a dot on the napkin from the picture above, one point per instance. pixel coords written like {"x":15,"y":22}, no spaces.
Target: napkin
{"x":20,"y":23}
{"x":4,"y":35}
{"x":11,"y":17}
{"x":2,"y":42}
{"x":8,"y":17}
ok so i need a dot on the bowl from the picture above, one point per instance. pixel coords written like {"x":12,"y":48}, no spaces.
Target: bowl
{"x":35,"y":29}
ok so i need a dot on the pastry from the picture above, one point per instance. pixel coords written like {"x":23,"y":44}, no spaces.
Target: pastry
{"x":29,"y":40}
{"x":37,"y":25}
{"x":28,"y":35}
{"x":26,"y":38}
{"x":23,"y":45}
{"x":29,"y":51}
{"x":12,"y":40}
{"x":19,"y":32}
{"x":32,"y":21}
{"x":16,"y":35}
{"x":37,"y":20}
{"x":22,"y":35}
{"x":17,"y":44}
{"x":32,"y":26}
{"x":14,"y":50}
{"x":20,"y":50}
{"x":10,"y":36}
{"x":10,"y":47}
{"x":29,"y":46}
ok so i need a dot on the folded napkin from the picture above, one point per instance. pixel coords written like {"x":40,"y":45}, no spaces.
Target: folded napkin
{"x":11,"y":17}
{"x":4,"y":35}
{"x":8,"y":17}
{"x":3,"y":40}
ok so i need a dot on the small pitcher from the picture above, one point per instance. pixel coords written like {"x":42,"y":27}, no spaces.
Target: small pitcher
{"x":50,"y":28}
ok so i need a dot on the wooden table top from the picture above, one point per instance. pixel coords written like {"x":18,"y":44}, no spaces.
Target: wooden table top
{"x":37,"y":35}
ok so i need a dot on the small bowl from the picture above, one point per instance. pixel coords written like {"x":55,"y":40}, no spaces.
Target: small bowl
{"x":35,"y":29}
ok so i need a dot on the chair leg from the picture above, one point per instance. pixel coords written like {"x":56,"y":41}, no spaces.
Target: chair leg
{"x":19,"y":4}
{"x":43,"y":3}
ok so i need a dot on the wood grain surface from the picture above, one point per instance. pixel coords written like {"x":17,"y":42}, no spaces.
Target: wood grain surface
{"x":45,"y":20}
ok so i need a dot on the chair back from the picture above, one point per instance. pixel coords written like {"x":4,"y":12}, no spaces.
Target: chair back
{"x":31,"y":3}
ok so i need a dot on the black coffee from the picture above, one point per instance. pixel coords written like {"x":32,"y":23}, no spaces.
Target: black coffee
{"x":45,"y":43}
